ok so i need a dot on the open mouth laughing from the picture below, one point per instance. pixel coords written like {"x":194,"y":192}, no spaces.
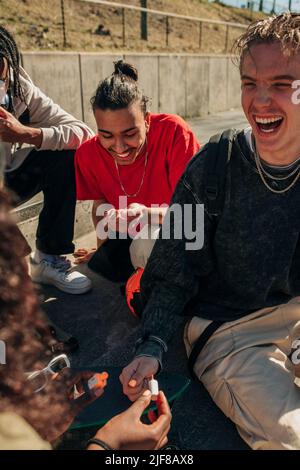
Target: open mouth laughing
{"x":124,"y":155}
{"x":268,"y":124}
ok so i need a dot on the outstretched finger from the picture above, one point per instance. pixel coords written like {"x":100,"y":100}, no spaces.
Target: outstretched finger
{"x":162,"y":404}
{"x":141,"y":404}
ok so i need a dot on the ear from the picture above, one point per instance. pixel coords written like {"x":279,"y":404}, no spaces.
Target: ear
{"x":147,"y":121}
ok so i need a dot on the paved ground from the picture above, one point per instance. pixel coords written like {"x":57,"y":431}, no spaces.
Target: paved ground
{"x":204,"y":128}
{"x":107,"y":333}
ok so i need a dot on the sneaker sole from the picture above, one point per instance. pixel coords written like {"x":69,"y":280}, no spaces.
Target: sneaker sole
{"x":63,"y":288}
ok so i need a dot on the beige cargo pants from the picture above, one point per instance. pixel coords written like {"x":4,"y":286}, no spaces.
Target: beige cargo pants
{"x":247,"y":369}
{"x":141,"y":248}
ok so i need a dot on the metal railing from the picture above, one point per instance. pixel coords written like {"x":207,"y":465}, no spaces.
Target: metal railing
{"x":166,"y":15}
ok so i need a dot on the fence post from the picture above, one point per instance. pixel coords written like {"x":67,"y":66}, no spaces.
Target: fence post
{"x":167,"y":31}
{"x":144,"y":21}
{"x":124,"y":26}
{"x":63,"y":22}
{"x":252,"y":8}
{"x":200,"y":34}
{"x":227,"y":39}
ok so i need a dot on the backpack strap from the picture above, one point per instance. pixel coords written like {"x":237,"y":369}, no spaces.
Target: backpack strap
{"x":218,"y":155}
{"x":200,"y":343}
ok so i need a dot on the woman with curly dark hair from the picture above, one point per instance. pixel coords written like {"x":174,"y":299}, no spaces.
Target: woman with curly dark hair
{"x":31,"y":420}
{"x":20,"y":320}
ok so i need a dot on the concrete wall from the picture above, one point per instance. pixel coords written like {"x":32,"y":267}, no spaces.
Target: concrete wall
{"x":234,"y":85}
{"x":148,"y":68}
{"x":189,"y":85}
{"x":58,"y":75}
{"x":94,"y":68}
{"x":197,"y":86}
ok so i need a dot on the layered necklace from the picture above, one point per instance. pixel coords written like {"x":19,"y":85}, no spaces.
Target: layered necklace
{"x":263,"y":173}
{"x":142,"y":180}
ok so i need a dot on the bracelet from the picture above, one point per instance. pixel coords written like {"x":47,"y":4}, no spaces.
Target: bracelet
{"x":98,"y":442}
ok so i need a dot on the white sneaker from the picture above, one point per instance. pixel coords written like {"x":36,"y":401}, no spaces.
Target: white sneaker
{"x":56,"y":273}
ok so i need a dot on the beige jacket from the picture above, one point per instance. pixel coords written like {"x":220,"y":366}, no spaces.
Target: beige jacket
{"x":17,"y":434}
{"x":60,"y":129}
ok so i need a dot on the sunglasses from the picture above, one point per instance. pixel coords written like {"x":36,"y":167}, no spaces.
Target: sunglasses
{"x":40,"y":378}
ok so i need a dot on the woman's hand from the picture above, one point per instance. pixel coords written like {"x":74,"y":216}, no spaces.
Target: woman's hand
{"x":126,"y":431}
{"x":76,"y":405}
{"x":133,"y":377}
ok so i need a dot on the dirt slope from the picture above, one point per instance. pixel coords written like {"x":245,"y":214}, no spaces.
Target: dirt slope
{"x":37,"y":26}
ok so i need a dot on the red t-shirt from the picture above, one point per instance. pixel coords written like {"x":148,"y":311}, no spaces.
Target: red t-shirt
{"x":170,"y":144}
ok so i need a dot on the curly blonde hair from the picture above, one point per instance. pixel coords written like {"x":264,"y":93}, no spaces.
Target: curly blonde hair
{"x":284,"y":29}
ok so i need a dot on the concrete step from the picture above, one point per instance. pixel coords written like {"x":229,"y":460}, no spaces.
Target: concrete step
{"x":27,"y":218}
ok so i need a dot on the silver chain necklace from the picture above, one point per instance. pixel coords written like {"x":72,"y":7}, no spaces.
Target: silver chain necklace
{"x":142,"y":180}
{"x":262,"y":171}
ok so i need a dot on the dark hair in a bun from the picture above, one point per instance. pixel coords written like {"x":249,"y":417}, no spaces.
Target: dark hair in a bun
{"x":120,"y":89}
{"x":123,"y":68}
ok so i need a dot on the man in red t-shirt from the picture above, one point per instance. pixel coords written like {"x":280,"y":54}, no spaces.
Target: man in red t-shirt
{"x":170,"y":145}
{"x":130,"y":170}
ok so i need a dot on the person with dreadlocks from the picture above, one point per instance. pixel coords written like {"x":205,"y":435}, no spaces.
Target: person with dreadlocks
{"x":241,"y":289}
{"x":38,"y":143}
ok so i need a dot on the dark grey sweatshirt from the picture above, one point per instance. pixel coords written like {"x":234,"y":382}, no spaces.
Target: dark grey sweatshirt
{"x":250,"y":258}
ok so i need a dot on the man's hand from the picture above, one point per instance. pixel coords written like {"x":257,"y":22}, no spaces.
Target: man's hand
{"x":126,"y":431}
{"x":82,"y":255}
{"x":133,"y":377}
{"x":120,"y":220}
{"x":12,"y":131}
{"x":138,"y":211}
{"x":138,"y":218}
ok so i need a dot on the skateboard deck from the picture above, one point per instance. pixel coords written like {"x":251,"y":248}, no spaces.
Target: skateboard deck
{"x":113,"y":401}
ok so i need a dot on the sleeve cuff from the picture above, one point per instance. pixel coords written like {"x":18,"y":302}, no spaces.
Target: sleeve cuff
{"x":150,"y":348}
{"x":47,"y":139}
